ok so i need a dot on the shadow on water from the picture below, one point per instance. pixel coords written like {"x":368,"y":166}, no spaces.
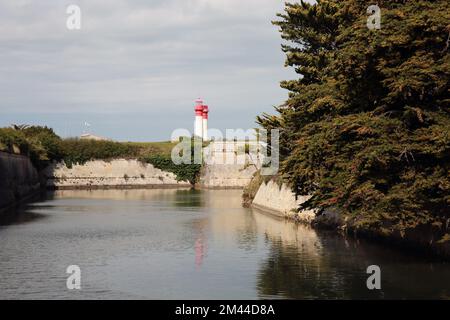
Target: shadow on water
{"x":23,"y":212}
{"x":304,"y":264}
{"x":189,"y":198}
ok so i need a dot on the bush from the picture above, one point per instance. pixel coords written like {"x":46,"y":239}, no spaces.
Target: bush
{"x":41,"y":144}
{"x":45,"y":145}
{"x":183,"y":172}
{"x":10,"y":137}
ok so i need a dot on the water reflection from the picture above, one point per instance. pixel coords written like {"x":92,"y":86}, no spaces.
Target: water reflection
{"x":185,"y":197}
{"x":306,"y":264}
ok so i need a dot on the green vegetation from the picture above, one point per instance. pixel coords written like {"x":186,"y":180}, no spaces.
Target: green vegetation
{"x":366,"y":127}
{"x":184,"y":171}
{"x":187,"y":172}
{"x":41,"y":144}
{"x":13,"y":141}
{"x":164,"y":147}
{"x":78,"y":151}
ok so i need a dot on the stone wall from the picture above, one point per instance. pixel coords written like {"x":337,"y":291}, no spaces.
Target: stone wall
{"x":226,"y":176}
{"x":119,"y":173}
{"x":18,"y":179}
{"x":281,"y":201}
{"x":227,"y":166}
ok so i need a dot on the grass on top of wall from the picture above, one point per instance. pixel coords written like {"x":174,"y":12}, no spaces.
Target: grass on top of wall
{"x":77,"y":151}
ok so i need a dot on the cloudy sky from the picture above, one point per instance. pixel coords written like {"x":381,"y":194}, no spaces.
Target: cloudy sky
{"x":136,"y":66}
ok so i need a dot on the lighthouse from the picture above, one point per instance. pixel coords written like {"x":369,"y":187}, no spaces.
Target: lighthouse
{"x":205,"y":122}
{"x":198,"y":126}
{"x":201,"y":120}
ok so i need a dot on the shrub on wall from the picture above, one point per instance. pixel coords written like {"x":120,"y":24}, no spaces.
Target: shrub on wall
{"x":45,"y":145}
{"x":41,"y":144}
{"x":183,"y":172}
{"x":10,"y":137}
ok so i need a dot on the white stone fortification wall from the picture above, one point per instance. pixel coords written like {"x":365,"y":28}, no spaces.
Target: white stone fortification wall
{"x":228,"y":166}
{"x":114,"y":173}
{"x":280,"y":200}
{"x":226,"y":176}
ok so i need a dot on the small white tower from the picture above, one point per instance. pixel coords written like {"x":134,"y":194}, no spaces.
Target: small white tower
{"x":205,"y":122}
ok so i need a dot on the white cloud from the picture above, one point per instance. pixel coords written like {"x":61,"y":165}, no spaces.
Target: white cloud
{"x":139,"y":55}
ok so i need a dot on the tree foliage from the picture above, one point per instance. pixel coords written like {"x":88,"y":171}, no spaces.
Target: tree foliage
{"x":366,"y":127}
{"x":41,"y":144}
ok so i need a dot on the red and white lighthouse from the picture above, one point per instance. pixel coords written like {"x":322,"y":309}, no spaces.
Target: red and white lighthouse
{"x":201,"y":120}
{"x":205,"y":122}
{"x":198,"y":126}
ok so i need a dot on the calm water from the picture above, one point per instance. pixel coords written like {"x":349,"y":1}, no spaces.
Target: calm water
{"x":184,"y":244}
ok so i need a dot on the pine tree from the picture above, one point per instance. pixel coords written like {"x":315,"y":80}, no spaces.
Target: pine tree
{"x":366,"y":127}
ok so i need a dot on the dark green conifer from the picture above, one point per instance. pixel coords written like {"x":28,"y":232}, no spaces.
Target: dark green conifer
{"x":366,"y":127}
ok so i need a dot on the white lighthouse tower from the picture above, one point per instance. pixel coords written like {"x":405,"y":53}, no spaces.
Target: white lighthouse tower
{"x":198,"y":127}
{"x":205,"y":122}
